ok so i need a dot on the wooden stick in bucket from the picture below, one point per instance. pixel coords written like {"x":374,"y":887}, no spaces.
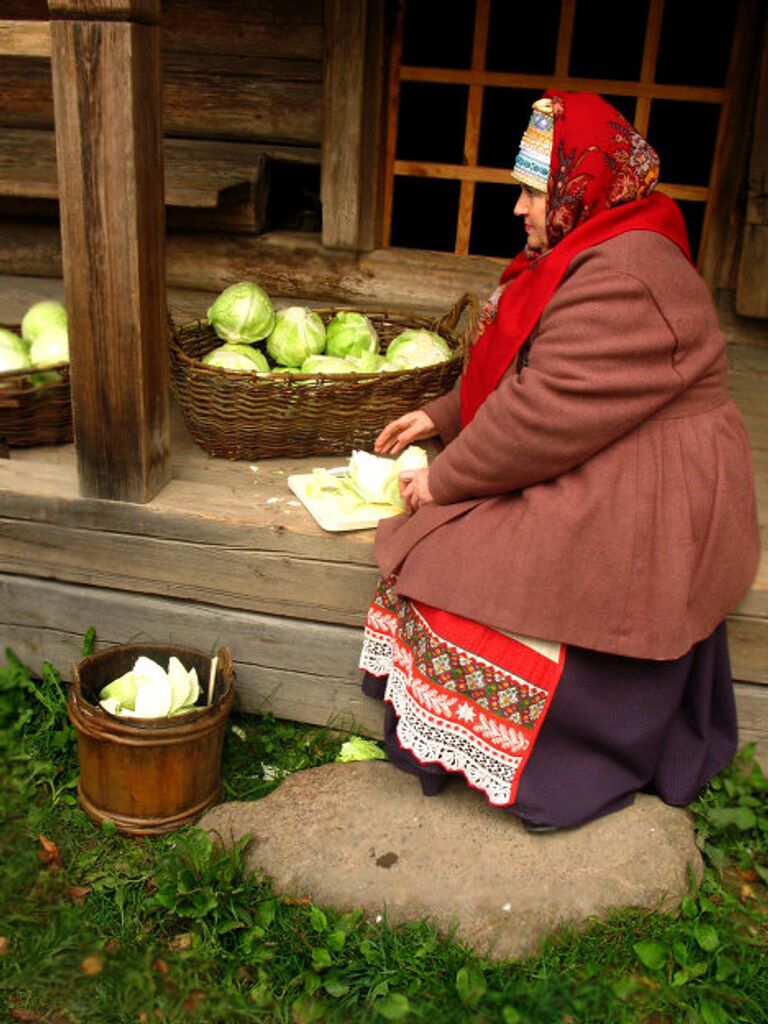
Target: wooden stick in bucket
{"x":212,"y":679}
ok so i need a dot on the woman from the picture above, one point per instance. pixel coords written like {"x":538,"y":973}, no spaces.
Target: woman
{"x":550,"y":622}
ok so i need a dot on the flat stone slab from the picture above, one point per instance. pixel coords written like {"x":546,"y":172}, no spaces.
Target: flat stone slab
{"x":361,"y":835}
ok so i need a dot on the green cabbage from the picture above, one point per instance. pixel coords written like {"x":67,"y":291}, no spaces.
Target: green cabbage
{"x":242,"y":313}
{"x":351,"y":334}
{"x":12,"y":358}
{"x":297,"y":334}
{"x":358,"y":749}
{"x":417,"y":347}
{"x":242,"y":358}
{"x":148,"y":691}
{"x":12,"y":342}
{"x":326,"y":364}
{"x":367,"y":362}
{"x":50,"y":346}
{"x":42,"y":315}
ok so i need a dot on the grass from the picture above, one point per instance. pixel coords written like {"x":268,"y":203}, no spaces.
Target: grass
{"x":98,"y":927}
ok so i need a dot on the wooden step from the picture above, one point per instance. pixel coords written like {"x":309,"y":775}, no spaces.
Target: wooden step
{"x":227,"y":178}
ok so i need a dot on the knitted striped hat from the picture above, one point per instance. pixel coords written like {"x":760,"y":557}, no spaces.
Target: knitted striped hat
{"x":532,"y":163}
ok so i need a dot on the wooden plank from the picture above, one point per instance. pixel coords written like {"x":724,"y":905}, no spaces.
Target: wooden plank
{"x":147,"y":11}
{"x":752,"y":280}
{"x":472,"y":129}
{"x":748,"y":643}
{"x":604,"y":86}
{"x":109,"y":155}
{"x":203,"y":96}
{"x":25,"y":39}
{"x":298,"y":670}
{"x":731,"y":146}
{"x":564,"y":37}
{"x":293,"y":669}
{"x":752,"y":710}
{"x":290,"y":29}
{"x":235,"y":575}
{"x":648,"y":67}
{"x":391,"y":115}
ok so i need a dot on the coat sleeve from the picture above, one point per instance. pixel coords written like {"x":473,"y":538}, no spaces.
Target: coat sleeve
{"x":445,"y":413}
{"x":603,"y":361}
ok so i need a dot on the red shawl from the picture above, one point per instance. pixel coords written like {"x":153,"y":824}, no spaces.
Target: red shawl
{"x":601,"y":178}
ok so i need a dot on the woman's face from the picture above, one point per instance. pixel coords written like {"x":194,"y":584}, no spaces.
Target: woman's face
{"x":532,"y":206}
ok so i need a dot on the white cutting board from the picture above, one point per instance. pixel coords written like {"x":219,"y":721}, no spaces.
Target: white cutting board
{"x":333,"y":519}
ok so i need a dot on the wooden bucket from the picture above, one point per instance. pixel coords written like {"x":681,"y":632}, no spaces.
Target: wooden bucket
{"x":148,"y":775}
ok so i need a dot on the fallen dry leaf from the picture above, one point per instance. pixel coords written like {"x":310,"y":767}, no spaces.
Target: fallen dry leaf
{"x":49,"y":855}
{"x":92,"y":965}
{"x":748,"y":874}
{"x":112,"y":945}
{"x":4,"y":945}
{"x":181,"y":941}
{"x":77,"y":893}
{"x":193,"y":1000}
{"x":747,"y":893}
{"x":30,"y":1016}
{"x":161,"y":966}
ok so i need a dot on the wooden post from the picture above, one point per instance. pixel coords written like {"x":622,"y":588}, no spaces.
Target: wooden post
{"x":105,"y":58}
{"x":353,"y":78}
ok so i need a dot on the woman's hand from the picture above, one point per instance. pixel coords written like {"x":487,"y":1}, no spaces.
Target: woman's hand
{"x":413,"y":426}
{"x":414,"y":488}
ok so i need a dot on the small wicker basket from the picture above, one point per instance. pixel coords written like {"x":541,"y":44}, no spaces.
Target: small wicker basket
{"x":248,"y":416}
{"x":35,"y":414}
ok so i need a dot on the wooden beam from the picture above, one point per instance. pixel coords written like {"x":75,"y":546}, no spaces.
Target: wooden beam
{"x":731,"y":147}
{"x":752,"y":279}
{"x":103,"y":10}
{"x":350,"y":147}
{"x":520,"y":80}
{"x":106,"y":78}
{"x":25,"y":39}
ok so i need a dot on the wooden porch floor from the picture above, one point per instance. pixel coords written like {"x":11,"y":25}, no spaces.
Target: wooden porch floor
{"x":225,"y":554}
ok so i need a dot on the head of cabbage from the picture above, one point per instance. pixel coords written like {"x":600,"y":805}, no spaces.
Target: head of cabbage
{"x":417,"y":347}
{"x":351,"y":334}
{"x":242,"y":313}
{"x":50,"y":346}
{"x":42,"y":315}
{"x":242,"y":358}
{"x":13,"y":351}
{"x":298,"y":333}
{"x":326,"y":364}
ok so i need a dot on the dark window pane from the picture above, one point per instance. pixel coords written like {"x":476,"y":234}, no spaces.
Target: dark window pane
{"x":424,"y":213}
{"x":624,"y":104}
{"x":432,"y":122}
{"x":693,"y":214}
{"x":683,"y":134}
{"x":495,"y":229}
{"x":438,"y":35}
{"x":514,"y":46}
{"x":506,"y":113}
{"x":608,"y":39}
{"x":695,"y":43}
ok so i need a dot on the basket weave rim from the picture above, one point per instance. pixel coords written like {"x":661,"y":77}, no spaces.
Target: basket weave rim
{"x":456,"y":353}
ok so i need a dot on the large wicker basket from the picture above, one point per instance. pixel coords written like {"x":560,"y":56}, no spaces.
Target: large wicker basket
{"x":247,"y":416}
{"x":35,"y":414}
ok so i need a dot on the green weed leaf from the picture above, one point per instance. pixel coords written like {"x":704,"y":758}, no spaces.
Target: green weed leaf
{"x":470,"y":985}
{"x":394,"y":1006}
{"x":307,"y":1009}
{"x":743,"y":818}
{"x":707,"y":937}
{"x":318,"y":920}
{"x":713,"y":1013}
{"x":652,"y":954}
{"x":335,"y":986}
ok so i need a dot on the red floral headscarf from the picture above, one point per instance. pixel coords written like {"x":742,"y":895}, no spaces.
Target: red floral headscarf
{"x":601,"y":179}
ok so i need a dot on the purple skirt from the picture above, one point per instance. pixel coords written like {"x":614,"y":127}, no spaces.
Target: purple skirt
{"x":616,"y":727}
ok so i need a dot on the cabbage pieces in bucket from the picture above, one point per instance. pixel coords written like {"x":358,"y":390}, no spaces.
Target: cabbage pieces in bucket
{"x":148,"y":691}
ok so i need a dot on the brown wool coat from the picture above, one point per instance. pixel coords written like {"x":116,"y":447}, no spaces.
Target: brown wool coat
{"x":603,"y":496}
